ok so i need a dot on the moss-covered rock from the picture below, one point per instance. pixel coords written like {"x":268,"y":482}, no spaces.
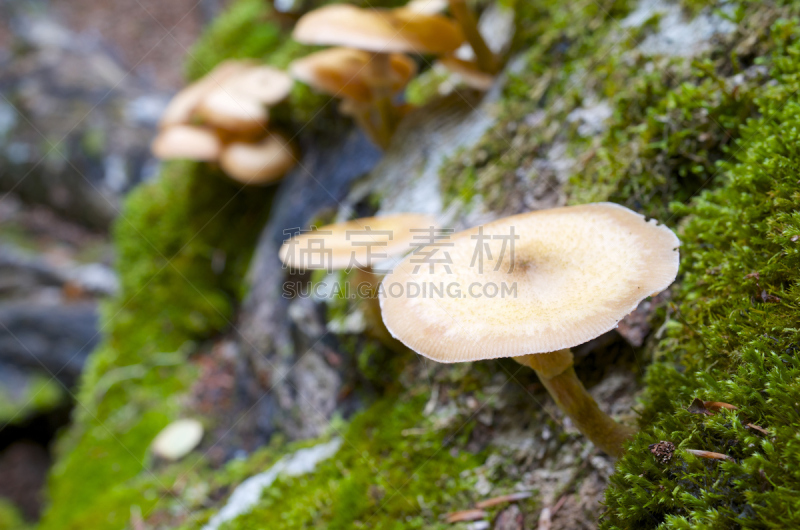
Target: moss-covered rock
{"x":732,"y":337}
{"x":722,"y":124}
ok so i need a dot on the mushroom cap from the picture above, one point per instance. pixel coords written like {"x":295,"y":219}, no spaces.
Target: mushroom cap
{"x":177,"y":439}
{"x":358,"y":243}
{"x":427,"y":7}
{"x":469,"y":72}
{"x":186,"y":141}
{"x":265,"y":84}
{"x":232,"y":111}
{"x":378,"y":30}
{"x":181,"y":107}
{"x":258,"y":163}
{"x":578,"y":271}
{"x":344,"y":72}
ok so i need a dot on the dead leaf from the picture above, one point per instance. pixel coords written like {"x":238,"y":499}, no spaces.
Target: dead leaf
{"x":716,"y":406}
{"x":502,"y":499}
{"x":708,"y":454}
{"x":466,"y":515}
{"x":762,"y":430}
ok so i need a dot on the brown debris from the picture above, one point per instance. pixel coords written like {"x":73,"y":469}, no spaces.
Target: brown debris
{"x":466,"y":515}
{"x":762,"y":430}
{"x":502,"y":499}
{"x":709,"y":407}
{"x":663,"y":451}
{"x":708,"y":454}
{"x":716,"y":406}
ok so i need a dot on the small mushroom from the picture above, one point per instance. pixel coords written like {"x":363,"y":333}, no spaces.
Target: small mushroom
{"x":381,"y":32}
{"x":232,"y":111}
{"x":186,"y":141}
{"x":572,"y":275}
{"x":258,"y":163}
{"x":345,"y":73}
{"x":360,"y":244}
{"x":181,"y":107}
{"x":177,"y":439}
{"x":238,"y":103}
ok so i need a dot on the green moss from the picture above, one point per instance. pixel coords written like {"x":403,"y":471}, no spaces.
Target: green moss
{"x":10,"y":518}
{"x":733,"y":337}
{"x":183,"y":245}
{"x":394,"y":470}
{"x":243,"y":31}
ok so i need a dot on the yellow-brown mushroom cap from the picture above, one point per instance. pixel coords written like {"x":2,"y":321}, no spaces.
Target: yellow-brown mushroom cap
{"x":232,"y":111}
{"x":181,"y":107}
{"x":378,"y":30}
{"x":575,"y":272}
{"x":187,"y":142}
{"x":265,"y":84}
{"x":360,"y":243}
{"x":258,"y":163}
{"x":344,"y":72}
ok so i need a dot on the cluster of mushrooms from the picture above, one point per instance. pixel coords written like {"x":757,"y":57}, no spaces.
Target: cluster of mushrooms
{"x":576,"y":271}
{"x":224,"y":117}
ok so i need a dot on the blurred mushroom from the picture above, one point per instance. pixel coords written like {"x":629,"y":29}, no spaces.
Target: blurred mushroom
{"x":381,"y":32}
{"x":233,"y":111}
{"x":361,"y":244}
{"x":345,"y":73}
{"x":258,"y":163}
{"x":572,"y":275}
{"x":186,"y":141}
{"x":177,"y":439}
{"x":181,"y":107}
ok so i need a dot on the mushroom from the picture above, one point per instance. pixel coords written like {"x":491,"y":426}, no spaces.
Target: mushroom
{"x":572,"y":274}
{"x":181,"y":107}
{"x":186,"y":141}
{"x":238,"y":104}
{"x":360,"y":244}
{"x":344,"y":72}
{"x":381,"y":32}
{"x":258,"y":163}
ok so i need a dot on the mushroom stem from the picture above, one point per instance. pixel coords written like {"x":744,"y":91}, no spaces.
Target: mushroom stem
{"x":361,"y":114}
{"x":484,"y":57}
{"x":557,"y":374}
{"x":382,"y":94}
